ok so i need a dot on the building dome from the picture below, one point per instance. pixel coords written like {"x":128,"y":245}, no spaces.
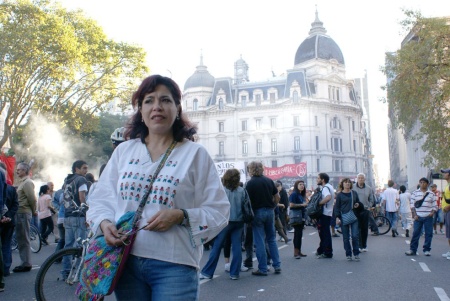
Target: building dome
{"x":200,"y":78}
{"x":318,"y":45}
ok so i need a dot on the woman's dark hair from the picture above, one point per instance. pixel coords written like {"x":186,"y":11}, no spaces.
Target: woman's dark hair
{"x":136,"y":128}
{"x":231,"y":178}
{"x":90,"y":177}
{"x":403,"y":188}
{"x":303,"y":192}
{"x":341,"y":184}
{"x":43,"y":190}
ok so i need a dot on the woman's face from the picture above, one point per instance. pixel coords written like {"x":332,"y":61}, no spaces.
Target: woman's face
{"x":301,"y":186}
{"x":347,"y":185}
{"x":159,"y":111}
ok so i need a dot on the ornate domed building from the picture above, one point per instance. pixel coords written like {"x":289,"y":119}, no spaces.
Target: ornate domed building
{"x":310,"y":120}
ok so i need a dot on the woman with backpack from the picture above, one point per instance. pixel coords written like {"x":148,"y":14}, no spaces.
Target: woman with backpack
{"x":297,"y":204}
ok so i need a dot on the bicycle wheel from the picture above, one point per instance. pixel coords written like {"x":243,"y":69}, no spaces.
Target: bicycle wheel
{"x":35,"y":239}
{"x":383,"y":223}
{"x":52,"y":283}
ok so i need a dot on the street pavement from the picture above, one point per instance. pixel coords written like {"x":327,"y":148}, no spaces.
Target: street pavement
{"x":384,"y":273}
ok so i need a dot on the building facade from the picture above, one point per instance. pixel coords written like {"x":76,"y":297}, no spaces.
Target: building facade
{"x":312,"y":114}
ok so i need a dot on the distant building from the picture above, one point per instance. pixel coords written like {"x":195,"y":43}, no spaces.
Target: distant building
{"x":312,"y":115}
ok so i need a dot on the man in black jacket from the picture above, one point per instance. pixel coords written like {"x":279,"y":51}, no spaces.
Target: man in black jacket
{"x":3,"y":219}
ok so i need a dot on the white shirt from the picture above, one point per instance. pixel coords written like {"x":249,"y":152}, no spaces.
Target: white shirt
{"x":328,"y":207}
{"x":390,"y":195}
{"x":188,"y":180}
{"x":429,"y":203}
{"x":405,"y":200}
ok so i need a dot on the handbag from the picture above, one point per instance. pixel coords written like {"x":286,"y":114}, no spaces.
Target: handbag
{"x":349,"y":217}
{"x":295,"y":217}
{"x":103,"y":264}
{"x":247,"y":211}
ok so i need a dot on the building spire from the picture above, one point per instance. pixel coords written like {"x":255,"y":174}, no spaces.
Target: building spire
{"x":317,"y":26}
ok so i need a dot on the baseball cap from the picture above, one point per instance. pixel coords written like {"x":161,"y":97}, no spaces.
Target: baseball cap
{"x":445,"y":170}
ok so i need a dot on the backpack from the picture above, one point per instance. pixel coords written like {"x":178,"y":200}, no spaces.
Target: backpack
{"x":247,"y":211}
{"x":314,"y":209}
{"x":69,"y":194}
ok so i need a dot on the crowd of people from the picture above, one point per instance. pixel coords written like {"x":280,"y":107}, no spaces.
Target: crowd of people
{"x":171,"y":182}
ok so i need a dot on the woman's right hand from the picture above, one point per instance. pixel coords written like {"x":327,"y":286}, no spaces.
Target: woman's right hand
{"x":112,"y":236}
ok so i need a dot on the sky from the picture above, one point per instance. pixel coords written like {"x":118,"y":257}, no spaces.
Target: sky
{"x":175,"y":33}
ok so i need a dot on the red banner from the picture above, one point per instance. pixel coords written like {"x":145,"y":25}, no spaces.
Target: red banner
{"x":286,"y":171}
{"x":10,"y":163}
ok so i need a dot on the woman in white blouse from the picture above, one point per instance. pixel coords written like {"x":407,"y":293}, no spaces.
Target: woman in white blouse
{"x":187,"y":205}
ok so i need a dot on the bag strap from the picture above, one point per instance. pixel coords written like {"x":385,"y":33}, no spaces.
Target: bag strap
{"x":140,"y":209}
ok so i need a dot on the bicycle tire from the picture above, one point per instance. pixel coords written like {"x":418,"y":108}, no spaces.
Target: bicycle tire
{"x":383,"y":223}
{"x":35,"y":239}
{"x":50,"y":284}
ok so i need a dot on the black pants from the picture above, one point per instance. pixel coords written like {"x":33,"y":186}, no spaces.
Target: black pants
{"x":326,"y":244}
{"x":46,"y":227}
{"x":298,"y":235}
{"x":363,"y":224}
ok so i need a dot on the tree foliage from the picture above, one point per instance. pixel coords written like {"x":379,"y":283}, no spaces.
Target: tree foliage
{"x":61,"y":64}
{"x":418,"y":89}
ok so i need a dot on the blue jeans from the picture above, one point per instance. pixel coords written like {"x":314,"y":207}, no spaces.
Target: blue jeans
{"x":75,"y":227}
{"x":6,"y":233}
{"x":427,"y":224}
{"x":354,"y":227}
{"x":264,"y":230}
{"x":392,"y":217}
{"x":235,"y":229}
{"x":149,"y":279}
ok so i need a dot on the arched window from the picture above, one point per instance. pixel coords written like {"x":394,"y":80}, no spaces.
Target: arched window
{"x":195,"y":105}
{"x":295,"y":96}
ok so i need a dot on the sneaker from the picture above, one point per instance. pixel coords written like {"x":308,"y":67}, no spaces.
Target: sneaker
{"x":435,"y":231}
{"x":201,"y":277}
{"x":410,"y":253}
{"x":269,"y":267}
{"x":324,"y":256}
{"x":281,"y":239}
{"x":357,"y":258}
{"x":363,"y":250}
{"x":442,"y":232}
{"x":288,"y":240}
{"x":336,"y":235}
{"x":446,"y":254}
{"x":277,"y":270}
{"x":259,"y":273}
{"x":427,"y":253}
{"x":2,"y":288}
{"x":407,"y":233}
{"x":292,"y":230}
{"x":349,"y":258}
{"x":227,"y":267}
{"x":244,"y":268}
{"x":234,"y":277}
{"x":375,"y":233}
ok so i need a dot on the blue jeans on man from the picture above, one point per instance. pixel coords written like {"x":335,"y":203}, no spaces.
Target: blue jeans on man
{"x":75,"y":227}
{"x":392,"y":217}
{"x":235,"y":229}
{"x":6,"y":233}
{"x":427,"y":224}
{"x":264,"y":230}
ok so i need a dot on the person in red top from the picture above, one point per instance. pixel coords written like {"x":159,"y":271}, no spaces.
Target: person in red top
{"x":439,"y":215}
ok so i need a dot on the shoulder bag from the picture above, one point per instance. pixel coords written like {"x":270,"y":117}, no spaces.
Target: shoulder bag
{"x":349,"y":217}
{"x":247,"y":211}
{"x":418,"y":204}
{"x":103,"y":264}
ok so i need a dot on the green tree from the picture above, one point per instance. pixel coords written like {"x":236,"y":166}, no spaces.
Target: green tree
{"x":418,"y":92}
{"x":60,"y":64}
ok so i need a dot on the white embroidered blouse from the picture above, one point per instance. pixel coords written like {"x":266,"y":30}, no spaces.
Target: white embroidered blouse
{"x":188,"y":180}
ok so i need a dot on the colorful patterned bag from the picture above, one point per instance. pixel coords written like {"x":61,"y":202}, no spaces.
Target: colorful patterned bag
{"x":103,"y":264}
